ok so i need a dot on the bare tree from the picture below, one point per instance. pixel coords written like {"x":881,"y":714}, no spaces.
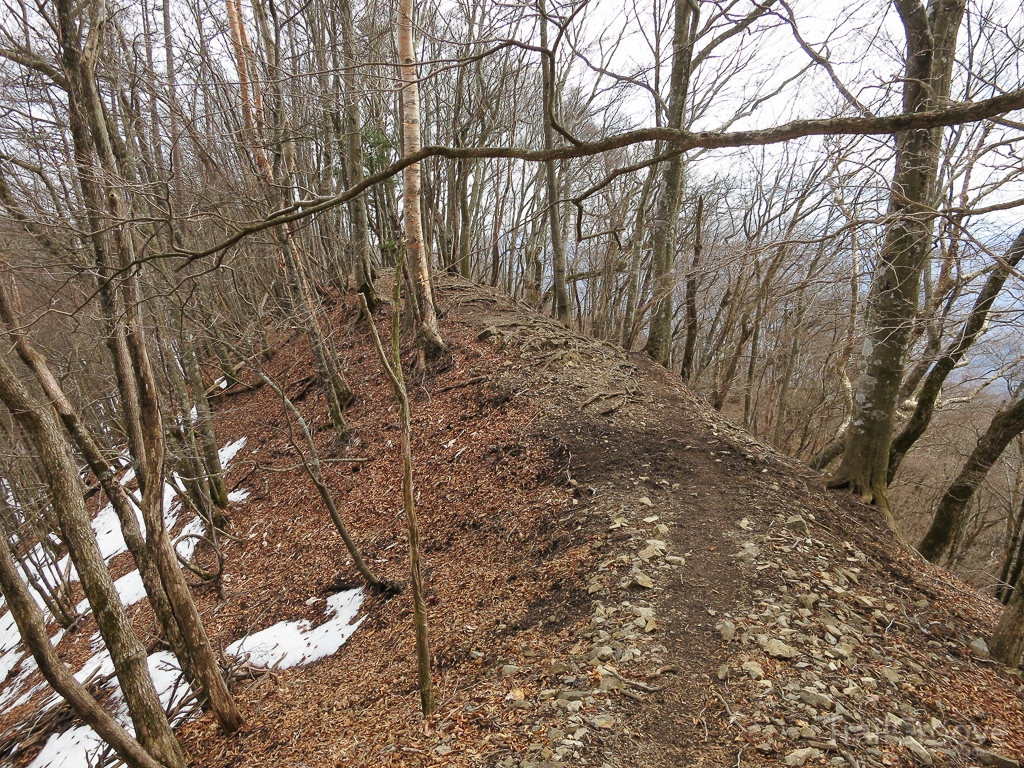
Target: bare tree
{"x":931,"y":35}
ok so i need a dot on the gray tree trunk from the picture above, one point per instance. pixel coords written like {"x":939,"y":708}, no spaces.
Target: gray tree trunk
{"x":32,"y":628}
{"x":931,"y":42}
{"x":666,"y":219}
{"x":126,"y":652}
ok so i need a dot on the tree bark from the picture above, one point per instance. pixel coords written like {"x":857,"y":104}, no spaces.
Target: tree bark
{"x":560,"y":307}
{"x":972,"y":329}
{"x":1007,"y":643}
{"x":931,"y":42}
{"x":431,"y":344}
{"x":666,"y":220}
{"x":204,"y":425}
{"x":1005,"y":426}
{"x":354,"y":151}
{"x":690,"y":345}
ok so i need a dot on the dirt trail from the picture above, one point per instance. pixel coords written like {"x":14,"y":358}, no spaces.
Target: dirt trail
{"x":741,"y":614}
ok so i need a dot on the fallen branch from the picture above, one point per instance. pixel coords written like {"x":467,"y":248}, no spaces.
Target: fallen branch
{"x":470,"y":383}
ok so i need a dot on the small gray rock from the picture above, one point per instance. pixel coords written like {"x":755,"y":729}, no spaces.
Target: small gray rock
{"x":797,"y":524}
{"x":817,"y":700}
{"x":509,"y":669}
{"x":979,"y":648}
{"x":779,"y":650}
{"x":918,"y":750}
{"x":573,"y":695}
{"x":800,"y":757}
{"x":985,"y":757}
{"x":755,"y":670}
{"x":728,"y":630}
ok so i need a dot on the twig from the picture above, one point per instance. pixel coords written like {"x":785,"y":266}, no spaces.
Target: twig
{"x":469,"y":383}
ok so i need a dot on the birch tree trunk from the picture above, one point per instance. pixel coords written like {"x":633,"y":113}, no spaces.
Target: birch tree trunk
{"x":431,"y":344}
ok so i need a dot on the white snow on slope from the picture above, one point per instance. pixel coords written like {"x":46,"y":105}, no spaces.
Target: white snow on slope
{"x":285,"y":644}
{"x":291,"y":643}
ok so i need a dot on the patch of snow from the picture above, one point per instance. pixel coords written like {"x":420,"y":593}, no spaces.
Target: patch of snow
{"x":171,"y":686}
{"x":130,"y":588}
{"x":229,"y":451}
{"x":291,"y":643}
{"x":240,"y":495}
{"x":108,"y":532}
{"x":75,"y":748}
{"x":99,"y":665}
{"x":186,"y":547}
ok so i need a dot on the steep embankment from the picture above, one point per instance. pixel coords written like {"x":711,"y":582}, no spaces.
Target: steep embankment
{"x":615,"y":576}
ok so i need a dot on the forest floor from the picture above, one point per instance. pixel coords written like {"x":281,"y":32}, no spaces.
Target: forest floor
{"x":616,"y":576}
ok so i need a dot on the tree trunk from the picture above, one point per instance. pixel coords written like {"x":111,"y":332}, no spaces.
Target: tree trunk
{"x":32,"y":628}
{"x":126,"y":652}
{"x":972,"y":329}
{"x":666,"y":220}
{"x":893,"y":299}
{"x":560,"y":307}
{"x":158,"y":542}
{"x":1007,"y":643}
{"x":690,"y":345}
{"x":1013,"y":563}
{"x":204,"y":426}
{"x":1005,"y":426}
{"x":354,"y":151}
{"x":393,"y":369}
{"x":430,"y":341}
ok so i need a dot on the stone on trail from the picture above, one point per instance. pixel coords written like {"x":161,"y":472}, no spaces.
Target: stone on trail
{"x":748,"y":553}
{"x":984,"y":757}
{"x":800,"y":756}
{"x":797,"y":524}
{"x":642,"y":580}
{"x":917,"y":749}
{"x":755,"y":670}
{"x":728,"y":630}
{"x":779,"y":650}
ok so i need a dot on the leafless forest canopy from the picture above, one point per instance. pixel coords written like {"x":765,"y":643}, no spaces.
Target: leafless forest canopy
{"x":711,"y":182}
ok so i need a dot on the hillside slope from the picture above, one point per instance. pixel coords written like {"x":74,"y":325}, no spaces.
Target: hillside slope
{"x":616,"y":576}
